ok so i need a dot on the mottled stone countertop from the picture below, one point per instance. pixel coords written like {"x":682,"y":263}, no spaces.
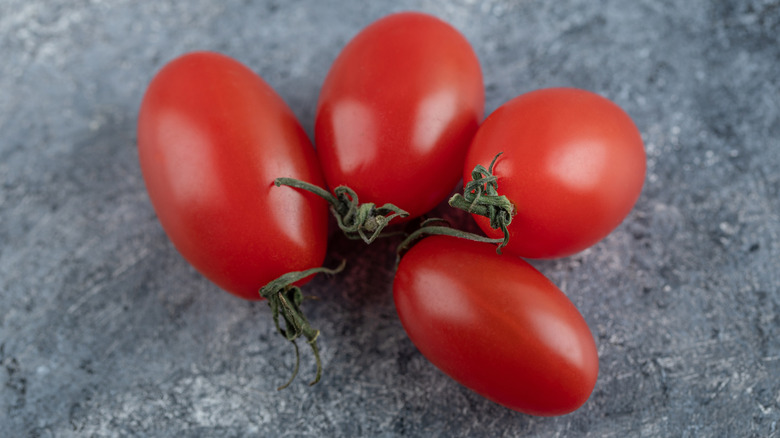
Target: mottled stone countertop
{"x":105,"y":330}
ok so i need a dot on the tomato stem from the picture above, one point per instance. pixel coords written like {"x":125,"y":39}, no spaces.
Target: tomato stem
{"x":285,"y":298}
{"x":358,"y":221}
{"x":480,"y":197}
{"x":439,"y":230}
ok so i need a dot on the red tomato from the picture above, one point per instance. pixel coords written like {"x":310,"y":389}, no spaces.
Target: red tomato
{"x":397,"y":111}
{"x":212,"y":136}
{"x":496,"y":325}
{"x":573,"y":166}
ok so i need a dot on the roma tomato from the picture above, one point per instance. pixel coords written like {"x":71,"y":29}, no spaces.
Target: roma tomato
{"x":212,"y":136}
{"x":397,"y":111}
{"x":496,"y":325}
{"x":573,"y":165}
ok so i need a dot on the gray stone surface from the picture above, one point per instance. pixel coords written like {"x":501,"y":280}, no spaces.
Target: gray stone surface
{"x":106,"y":331}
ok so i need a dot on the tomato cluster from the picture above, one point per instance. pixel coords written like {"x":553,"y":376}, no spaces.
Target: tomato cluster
{"x":242,"y":194}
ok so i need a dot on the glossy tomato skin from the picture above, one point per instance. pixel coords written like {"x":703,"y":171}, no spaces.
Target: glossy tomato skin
{"x":397,"y":112}
{"x":212,"y":136}
{"x":573,"y":166}
{"x":496,"y":325}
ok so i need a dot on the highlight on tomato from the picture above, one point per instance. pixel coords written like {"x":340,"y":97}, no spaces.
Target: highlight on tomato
{"x":571,"y":164}
{"x":495,"y":325}
{"x":212,"y":138}
{"x":397,"y":111}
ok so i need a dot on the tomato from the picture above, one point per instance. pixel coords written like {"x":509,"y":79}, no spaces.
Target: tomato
{"x":397,"y":112}
{"x":573,"y":165}
{"x":496,"y":325}
{"x":212,"y":136}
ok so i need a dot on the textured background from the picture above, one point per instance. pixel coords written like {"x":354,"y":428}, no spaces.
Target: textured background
{"x":105,"y":330}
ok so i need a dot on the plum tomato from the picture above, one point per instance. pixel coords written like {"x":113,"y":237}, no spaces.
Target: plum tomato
{"x":397,"y":111}
{"x":496,"y":325}
{"x":573,"y":166}
{"x":212,"y":136}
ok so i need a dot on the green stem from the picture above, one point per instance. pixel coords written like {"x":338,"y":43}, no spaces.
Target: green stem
{"x":438,"y":230}
{"x":358,"y":221}
{"x":284,"y":298}
{"x":480,"y":197}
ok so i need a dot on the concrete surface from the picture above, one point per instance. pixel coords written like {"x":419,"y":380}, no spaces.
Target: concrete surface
{"x":106,"y":331}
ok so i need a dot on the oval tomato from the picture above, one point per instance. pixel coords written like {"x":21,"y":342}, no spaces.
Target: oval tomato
{"x":573,"y":165}
{"x":496,"y":325}
{"x":212,"y":136}
{"x":397,"y":111}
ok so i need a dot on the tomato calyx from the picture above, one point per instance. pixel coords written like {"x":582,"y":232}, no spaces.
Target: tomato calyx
{"x":480,"y":196}
{"x":285,"y":298}
{"x":358,"y":221}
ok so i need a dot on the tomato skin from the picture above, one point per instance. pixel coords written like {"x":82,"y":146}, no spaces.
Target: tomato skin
{"x":573,"y":166}
{"x":496,"y":325}
{"x":212,"y":136}
{"x":397,"y":112}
